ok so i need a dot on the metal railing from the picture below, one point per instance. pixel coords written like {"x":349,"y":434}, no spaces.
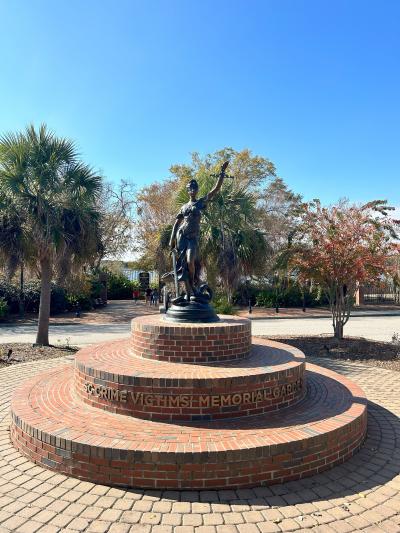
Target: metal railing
{"x":386,"y":294}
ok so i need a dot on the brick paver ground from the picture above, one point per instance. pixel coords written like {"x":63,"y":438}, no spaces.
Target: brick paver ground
{"x":361,"y":495}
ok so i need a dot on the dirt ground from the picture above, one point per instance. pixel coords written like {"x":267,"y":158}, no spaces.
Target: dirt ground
{"x":24,"y":352}
{"x":375,"y":353}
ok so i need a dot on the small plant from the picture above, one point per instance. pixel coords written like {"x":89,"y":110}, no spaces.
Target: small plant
{"x":396,"y":339}
{"x":223,"y":307}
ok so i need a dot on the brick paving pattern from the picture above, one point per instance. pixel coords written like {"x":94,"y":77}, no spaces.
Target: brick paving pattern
{"x":363,"y":494}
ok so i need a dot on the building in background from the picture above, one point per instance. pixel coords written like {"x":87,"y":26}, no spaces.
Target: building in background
{"x":137,"y":275}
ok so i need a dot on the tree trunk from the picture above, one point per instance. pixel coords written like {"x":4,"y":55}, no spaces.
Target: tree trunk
{"x":337,"y":305}
{"x":338,"y":331}
{"x":44,"y":308}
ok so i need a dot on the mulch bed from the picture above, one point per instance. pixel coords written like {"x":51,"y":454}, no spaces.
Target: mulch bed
{"x":24,"y":352}
{"x":374,"y":353}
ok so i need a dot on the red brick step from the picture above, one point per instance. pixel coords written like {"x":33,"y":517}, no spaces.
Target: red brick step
{"x":111,"y":377}
{"x":52,"y":427}
{"x":226,"y":340}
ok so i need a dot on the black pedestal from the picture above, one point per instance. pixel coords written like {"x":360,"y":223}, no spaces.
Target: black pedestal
{"x":191,"y":312}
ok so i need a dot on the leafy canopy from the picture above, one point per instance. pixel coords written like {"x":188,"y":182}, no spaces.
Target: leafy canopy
{"x":47,"y":196}
{"x":342,"y":246}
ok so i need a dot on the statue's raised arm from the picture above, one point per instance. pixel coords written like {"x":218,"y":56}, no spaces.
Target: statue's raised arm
{"x":221,"y":176}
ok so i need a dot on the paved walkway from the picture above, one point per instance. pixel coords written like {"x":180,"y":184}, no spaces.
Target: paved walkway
{"x":82,"y":334}
{"x":375,"y":328}
{"x":361,"y":495}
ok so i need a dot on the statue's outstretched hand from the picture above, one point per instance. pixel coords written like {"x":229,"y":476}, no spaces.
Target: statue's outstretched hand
{"x":223,"y":168}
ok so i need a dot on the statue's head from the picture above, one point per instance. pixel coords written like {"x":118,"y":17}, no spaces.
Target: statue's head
{"x":192,"y":188}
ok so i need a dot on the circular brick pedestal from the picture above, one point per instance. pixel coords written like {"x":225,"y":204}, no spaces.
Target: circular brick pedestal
{"x":226,"y":340}
{"x":109,"y":376}
{"x":119,"y":417}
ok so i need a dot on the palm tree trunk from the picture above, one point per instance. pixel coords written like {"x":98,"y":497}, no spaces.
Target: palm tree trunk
{"x":21,"y":291}
{"x":42,"y":337}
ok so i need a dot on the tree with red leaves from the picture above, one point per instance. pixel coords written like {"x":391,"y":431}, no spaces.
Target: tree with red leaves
{"x":341,"y":247}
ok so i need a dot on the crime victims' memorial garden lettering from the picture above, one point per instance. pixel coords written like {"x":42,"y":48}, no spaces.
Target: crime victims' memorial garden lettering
{"x":186,"y":400}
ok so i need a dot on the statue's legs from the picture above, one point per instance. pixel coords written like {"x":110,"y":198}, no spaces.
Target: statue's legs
{"x":187,"y":289}
{"x":190,"y":288}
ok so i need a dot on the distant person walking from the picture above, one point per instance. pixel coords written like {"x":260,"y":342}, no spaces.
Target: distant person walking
{"x":155,"y":297}
{"x":135,"y":295}
{"x":148,"y":296}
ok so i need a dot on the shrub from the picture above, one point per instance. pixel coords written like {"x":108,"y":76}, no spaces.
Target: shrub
{"x":58,"y":301}
{"x":222,"y":306}
{"x":3,"y":308}
{"x":266,"y":298}
{"x":32,"y":296}
{"x":95,"y":288}
{"x":9,"y":293}
{"x":291,"y":296}
{"x":79,"y":298}
{"x":119,"y":287}
{"x":244,"y":293}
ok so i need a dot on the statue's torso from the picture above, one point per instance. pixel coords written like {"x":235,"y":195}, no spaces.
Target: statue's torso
{"x":191,"y":213}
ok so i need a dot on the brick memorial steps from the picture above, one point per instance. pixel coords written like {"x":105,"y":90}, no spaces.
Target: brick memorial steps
{"x":120,"y":418}
{"x":110,"y":377}
{"x":54,"y":428}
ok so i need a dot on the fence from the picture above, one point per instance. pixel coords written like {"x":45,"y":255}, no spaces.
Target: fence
{"x":387,"y":294}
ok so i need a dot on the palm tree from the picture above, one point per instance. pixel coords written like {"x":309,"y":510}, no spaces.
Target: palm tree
{"x":53,"y":195}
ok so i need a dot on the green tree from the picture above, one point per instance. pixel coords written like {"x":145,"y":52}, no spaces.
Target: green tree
{"x":50,"y":195}
{"x":242,"y":229}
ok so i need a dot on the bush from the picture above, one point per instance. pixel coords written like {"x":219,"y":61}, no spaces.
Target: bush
{"x":119,"y":287}
{"x":291,"y":296}
{"x":266,"y":298}
{"x":95,"y":288}
{"x":79,"y":298}
{"x":244,"y":293}
{"x":222,"y":306}
{"x":3,"y":308}
{"x":10,"y":294}
{"x":31,"y":297}
{"x":58,"y":301}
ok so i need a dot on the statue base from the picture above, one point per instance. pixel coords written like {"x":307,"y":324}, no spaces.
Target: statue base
{"x":193,"y":311}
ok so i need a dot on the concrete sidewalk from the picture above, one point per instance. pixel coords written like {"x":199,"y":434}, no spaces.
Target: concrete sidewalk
{"x":123,"y":311}
{"x":113,"y":322}
{"x":376,"y":328}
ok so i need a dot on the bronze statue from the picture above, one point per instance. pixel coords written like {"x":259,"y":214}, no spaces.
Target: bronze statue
{"x":184,"y":244}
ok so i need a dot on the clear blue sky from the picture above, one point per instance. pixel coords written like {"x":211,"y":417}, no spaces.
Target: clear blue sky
{"x":313,"y":85}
